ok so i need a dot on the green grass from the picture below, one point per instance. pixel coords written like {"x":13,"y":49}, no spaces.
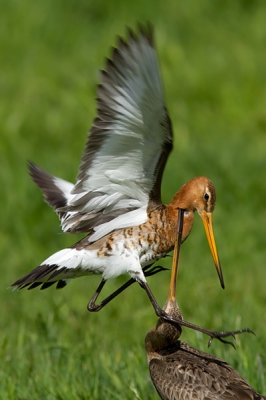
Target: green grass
{"x":212,"y":55}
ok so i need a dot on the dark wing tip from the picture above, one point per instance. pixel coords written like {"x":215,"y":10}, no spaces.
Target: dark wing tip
{"x":53,"y":195}
{"x":34,"y":170}
{"x":145,"y":29}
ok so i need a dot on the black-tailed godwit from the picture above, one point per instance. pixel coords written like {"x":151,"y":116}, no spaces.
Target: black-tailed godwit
{"x":116,"y":200}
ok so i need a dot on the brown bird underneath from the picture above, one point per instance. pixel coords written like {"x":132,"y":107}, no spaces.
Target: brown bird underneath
{"x":181,"y":372}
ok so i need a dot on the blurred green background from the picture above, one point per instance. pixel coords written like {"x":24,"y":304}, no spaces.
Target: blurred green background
{"x":212,"y":57}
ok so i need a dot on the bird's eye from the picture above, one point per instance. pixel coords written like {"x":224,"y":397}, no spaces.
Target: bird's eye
{"x":206,"y":196}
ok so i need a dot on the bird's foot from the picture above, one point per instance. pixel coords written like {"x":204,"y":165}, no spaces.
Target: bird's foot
{"x":149,"y":271}
{"x":220,"y":335}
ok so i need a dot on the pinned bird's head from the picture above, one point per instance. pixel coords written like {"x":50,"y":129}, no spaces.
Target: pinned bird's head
{"x":166,"y":332}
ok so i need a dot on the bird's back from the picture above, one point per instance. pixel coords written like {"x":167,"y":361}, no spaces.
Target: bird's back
{"x":180,"y":372}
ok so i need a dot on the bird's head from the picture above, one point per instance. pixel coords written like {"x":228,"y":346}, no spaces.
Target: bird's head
{"x":199,"y":195}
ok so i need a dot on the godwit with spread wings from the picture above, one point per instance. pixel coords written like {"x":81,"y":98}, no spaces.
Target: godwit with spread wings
{"x":117,"y":197}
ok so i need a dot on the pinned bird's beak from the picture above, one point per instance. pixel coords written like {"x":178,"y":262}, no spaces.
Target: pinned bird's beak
{"x":207,"y":222}
{"x":174,"y":272}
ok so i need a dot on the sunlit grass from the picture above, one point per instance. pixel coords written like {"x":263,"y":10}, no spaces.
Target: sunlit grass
{"x":212,"y":56}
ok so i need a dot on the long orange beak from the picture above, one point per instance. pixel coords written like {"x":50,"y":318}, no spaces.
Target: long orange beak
{"x":207,"y":222}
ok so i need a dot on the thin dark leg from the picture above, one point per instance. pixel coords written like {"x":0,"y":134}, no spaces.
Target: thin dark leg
{"x":158,"y":310}
{"x":92,"y":307}
{"x":213,"y":334}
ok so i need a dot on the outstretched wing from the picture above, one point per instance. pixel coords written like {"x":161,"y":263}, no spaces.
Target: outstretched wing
{"x":128,"y":145}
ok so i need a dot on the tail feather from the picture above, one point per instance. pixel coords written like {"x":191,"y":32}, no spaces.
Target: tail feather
{"x":36,"y":276}
{"x":33,"y":285}
{"x":56,"y":273}
{"x":46,"y":285}
{"x":60,"y":284}
{"x":60,"y":267}
{"x":42,"y":276}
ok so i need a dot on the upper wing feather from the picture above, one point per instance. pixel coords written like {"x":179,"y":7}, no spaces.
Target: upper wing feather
{"x":128,"y":145}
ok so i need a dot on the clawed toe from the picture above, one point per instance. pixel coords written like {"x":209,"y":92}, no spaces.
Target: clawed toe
{"x":221,"y":340}
{"x":221,"y":335}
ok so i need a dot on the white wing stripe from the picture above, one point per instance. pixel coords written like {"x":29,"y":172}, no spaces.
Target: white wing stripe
{"x":131,"y":218}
